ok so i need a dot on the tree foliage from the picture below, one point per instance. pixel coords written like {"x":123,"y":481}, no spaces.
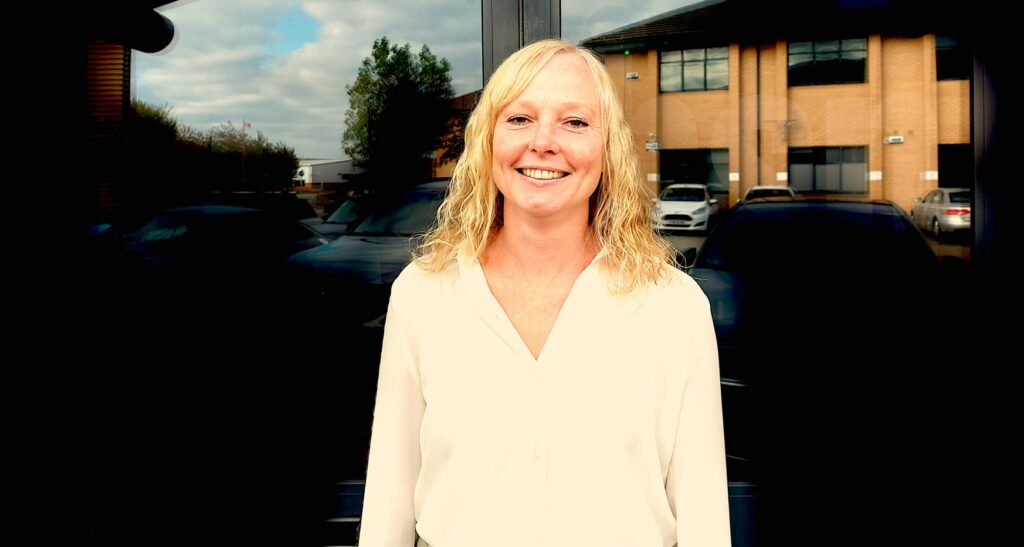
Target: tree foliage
{"x":267,"y":165}
{"x":170,"y":163}
{"x":399,"y":112}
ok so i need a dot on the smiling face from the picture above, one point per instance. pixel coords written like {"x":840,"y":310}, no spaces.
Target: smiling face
{"x":548,"y":144}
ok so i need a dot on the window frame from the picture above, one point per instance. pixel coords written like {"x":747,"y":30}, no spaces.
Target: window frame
{"x":719,"y":58}
{"x":826,"y":71}
{"x":823,"y":153}
{"x":952,"y":58}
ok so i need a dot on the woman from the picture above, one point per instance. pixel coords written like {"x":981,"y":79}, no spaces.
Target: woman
{"x":547,"y":378}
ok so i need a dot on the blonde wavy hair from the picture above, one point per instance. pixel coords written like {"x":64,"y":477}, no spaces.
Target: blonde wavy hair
{"x":621,"y":212}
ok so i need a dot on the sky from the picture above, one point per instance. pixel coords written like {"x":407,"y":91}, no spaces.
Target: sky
{"x":282,"y":65}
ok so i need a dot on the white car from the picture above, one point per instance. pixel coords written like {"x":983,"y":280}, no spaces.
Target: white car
{"x":684,"y":207}
{"x":768,"y":191}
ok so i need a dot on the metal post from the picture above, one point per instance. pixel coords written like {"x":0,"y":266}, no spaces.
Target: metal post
{"x":508,"y":25}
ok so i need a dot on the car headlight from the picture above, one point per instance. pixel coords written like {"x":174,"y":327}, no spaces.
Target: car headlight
{"x":700,"y":210}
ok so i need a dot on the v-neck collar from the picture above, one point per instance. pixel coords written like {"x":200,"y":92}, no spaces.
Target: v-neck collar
{"x":487,"y":307}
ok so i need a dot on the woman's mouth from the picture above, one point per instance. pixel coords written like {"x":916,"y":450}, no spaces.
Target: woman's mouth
{"x":541,"y":174}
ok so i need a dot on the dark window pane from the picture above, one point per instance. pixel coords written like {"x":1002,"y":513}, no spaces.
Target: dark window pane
{"x":956,"y":165}
{"x":854,"y":178}
{"x":693,"y":76}
{"x":801,"y":47}
{"x":829,"y":169}
{"x":701,"y":69}
{"x":959,"y":197}
{"x":718,"y":53}
{"x":701,"y":166}
{"x":693,"y":55}
{"x":671,"y":77}
{"x":826,"y":46}
{"x":952,"y":58}
{"x":855,"y":43}
{"x":412,"y":215}
{"x":853,"y":154}
{"x":801,"y":177}
{"x":718,"y":74}
{"x":832,"y":62}
{"x":800,"y":60}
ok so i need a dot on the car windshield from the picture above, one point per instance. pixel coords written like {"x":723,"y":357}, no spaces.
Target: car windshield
{"x":960,"y":197}
{"x":350,"y":211}
{"x":766,"y":236}
{"x":161,"y":231}
{"x":411,"y":214}
{"x":683,"y":194}
{"x":768,"y":193}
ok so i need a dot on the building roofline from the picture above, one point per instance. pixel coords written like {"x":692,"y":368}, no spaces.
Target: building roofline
{"x":722,"y":22}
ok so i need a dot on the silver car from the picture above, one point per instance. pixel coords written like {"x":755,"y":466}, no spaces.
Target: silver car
{"x":943,"y":210}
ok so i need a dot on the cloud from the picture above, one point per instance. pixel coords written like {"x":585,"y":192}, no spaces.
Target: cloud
{"x":228,"y":62}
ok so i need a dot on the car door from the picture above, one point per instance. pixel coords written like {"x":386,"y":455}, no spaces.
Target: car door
{"x":935,"y":206}
{"x":922,"y":217}
{"x":712,"y":208}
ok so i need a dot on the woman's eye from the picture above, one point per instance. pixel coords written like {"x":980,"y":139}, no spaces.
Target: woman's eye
{"x":518,"y":120}
{"x":577,"y":123}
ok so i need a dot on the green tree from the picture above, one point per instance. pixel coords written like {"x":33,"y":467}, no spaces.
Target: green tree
{"x":173,"y":163}
{"x":252,"y":161}
{"x":399,"y":113}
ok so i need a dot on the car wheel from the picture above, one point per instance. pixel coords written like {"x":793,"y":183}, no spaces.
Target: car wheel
{"x":936,"y":229}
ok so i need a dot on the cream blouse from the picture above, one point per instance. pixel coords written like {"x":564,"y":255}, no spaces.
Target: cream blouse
{"x":612,"y":437}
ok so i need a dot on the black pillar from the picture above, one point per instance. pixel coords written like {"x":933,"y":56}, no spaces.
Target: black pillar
{"x":511,"y":24}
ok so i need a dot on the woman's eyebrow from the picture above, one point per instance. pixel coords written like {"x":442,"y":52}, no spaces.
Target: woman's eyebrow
{"x":568,"y":105}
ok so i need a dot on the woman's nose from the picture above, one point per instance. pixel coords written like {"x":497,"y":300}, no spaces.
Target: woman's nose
{"x":544,"y":138}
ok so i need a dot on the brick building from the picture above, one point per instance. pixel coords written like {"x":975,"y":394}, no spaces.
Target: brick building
{"x":733,"y":94}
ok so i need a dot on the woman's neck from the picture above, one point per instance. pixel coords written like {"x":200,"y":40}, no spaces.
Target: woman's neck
{"x":543,"y":248}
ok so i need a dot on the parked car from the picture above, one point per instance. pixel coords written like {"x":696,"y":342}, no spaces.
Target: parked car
{"x":283,"y":204}
{"x":346,"y":216}
{"x":355,"y":271}
{"x":768,"y":191}
{"x":838,"y":354}
{"x":684,"y":207}
{"x":211,"y":248}
{"x":942,"y":211}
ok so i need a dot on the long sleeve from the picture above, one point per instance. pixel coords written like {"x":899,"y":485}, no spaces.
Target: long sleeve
{"x":394,"y":462}
{"x":696,"y":485}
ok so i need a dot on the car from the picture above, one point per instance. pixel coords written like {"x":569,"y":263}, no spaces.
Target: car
{"x":837,"y":333}
{"x":768,"y":191}
{"x":283,"y":204}
{"x":355,"y":272}
{"x":943,"y":211}
{"x":210,"y":249}
{"x":684,"y":207}
{"x":346,"y":216}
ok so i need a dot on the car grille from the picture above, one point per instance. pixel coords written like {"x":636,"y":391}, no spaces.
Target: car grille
{"x":683,"y":218}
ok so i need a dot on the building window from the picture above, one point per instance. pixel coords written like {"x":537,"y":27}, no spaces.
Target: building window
{"x":829,"y":169}
{"x":708,"y":166}
{"x":956,"y":165}
{"x":695,"y":69}
{"x":952,"y":59}
{"x":828,"y":62}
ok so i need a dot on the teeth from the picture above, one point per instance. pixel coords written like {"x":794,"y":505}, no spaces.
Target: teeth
{"x":542,"y":174}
